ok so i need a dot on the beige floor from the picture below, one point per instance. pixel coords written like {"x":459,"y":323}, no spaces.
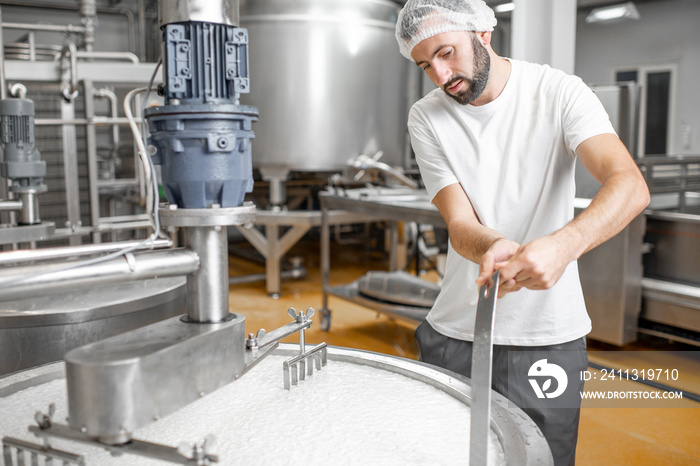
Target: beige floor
{"x":608,"y":436}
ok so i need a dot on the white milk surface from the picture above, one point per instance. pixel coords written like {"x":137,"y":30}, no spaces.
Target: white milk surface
{"x":345,"y":414}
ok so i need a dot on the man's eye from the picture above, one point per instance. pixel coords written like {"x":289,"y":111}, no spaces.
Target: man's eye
{"x":426,"y":66}
{"x":447,"y":53}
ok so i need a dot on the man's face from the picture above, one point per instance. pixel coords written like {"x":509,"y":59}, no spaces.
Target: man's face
{"x":455,"y":63}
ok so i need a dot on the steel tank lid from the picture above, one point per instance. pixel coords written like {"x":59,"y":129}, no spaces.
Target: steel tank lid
{"x":84,"y":304}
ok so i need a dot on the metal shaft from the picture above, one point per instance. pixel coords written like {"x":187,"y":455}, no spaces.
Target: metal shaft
{"x":207,"y":288}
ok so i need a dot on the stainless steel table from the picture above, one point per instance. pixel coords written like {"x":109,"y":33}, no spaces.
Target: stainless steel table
{"x":393,"y":204}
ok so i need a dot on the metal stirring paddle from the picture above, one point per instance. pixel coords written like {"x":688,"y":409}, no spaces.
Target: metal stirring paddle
{"x":482,"y":355}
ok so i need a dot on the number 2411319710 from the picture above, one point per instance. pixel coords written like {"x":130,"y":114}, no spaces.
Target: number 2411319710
{"x":658,"y":375}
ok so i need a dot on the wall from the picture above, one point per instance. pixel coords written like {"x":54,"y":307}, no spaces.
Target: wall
{"x":667,"y":33}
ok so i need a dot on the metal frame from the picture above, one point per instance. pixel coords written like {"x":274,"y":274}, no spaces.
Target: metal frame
{"x":381,"y":203}
{"x":274,"y":246}
{"x":104,"y":68}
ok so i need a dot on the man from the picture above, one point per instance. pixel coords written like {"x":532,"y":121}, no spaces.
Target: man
{"x":496,"y":145}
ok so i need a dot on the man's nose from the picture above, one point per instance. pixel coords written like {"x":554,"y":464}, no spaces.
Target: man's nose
{"x":442,"y":74}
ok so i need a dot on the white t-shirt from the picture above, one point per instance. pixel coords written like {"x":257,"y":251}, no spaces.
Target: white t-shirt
{"x":515,"y":159}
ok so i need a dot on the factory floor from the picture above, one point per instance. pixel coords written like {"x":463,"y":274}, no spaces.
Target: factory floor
{"x":637,"y":435}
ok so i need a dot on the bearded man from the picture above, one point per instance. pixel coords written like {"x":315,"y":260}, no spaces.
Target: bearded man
{"x":496,"y":145}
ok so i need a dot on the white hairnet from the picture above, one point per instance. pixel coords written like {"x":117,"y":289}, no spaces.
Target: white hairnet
{"x":421,"y":19}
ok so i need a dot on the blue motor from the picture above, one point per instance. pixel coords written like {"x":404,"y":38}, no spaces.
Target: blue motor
{"x":201,"y":133}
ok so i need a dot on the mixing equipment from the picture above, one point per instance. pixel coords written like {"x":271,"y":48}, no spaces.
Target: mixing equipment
{"x":202,"y":140}
{"x":201,"y":136}
{"x":364,"y":407}
{"x":22,"y":165}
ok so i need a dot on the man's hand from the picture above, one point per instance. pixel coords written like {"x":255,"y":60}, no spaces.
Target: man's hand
{"x":537,"y":265}
{"x":500,"y":251}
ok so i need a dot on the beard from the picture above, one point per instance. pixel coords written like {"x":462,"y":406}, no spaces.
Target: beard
{"x":476,"y":85}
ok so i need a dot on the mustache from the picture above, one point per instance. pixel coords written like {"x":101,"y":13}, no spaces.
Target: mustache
{"x":454,"y":79}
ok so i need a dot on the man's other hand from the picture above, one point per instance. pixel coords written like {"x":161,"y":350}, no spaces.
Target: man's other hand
{"x":537,"y":265}
{"x":500,"y":251}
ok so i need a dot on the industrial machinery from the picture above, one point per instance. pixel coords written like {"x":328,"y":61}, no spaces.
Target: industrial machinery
{"x":22,"y":165}
{"x":37,"y":330}
{"x":201,"y":138}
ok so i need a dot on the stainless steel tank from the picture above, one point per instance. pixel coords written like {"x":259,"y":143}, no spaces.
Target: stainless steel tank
{"x":328,"y":80}
{"x":362,"y":398}
{"x":41,"y":329}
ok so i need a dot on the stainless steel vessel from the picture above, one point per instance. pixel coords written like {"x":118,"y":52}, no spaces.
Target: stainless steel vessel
{"x":521,"y":440}
{"x":328,"y":81}
{"x":41,"y":329}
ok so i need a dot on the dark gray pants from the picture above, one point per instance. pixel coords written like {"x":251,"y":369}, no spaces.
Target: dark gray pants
{"x":558,"y":421}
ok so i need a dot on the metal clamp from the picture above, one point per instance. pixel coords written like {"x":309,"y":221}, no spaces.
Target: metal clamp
{"x":252,"y":341}
{"x":198,"y":452}
{"x":44,"y":420}
{"x":173,"y":216}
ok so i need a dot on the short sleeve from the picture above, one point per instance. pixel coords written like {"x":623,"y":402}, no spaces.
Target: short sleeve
{"x":583,"y":114}
{"x":435,"y":169}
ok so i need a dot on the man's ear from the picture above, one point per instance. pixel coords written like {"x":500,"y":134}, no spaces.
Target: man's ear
{"x":484,"y":37}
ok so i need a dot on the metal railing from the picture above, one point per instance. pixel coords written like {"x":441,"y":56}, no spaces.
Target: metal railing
{"x":673,"y":175}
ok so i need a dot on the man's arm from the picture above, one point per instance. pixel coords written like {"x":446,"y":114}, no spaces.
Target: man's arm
{"x":623,"y":195}
{"x":468,"y":236}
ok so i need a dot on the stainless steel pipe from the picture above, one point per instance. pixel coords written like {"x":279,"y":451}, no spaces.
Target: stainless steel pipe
{"x":207,"y":288}
{"x":20,"y":282}
{"x":44,"y":27}
{"x":10,"y":205}
{"x":27,"y":255}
